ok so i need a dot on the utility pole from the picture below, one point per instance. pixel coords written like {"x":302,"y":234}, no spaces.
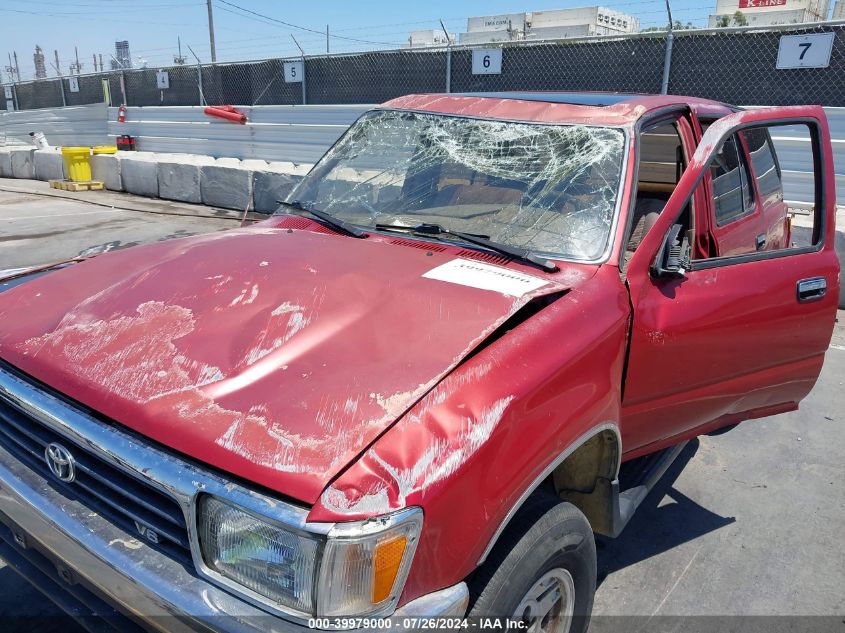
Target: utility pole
{"x":10,"y":69}
{"x":448,"y":57}
{"x":17,"y":68}
{"x":179,"y":59}
{"x":302,"y":52}
{"x":667,"y":58}
{"x":199,"y":76}
{"x":95,"y":61}
{"x":211,"y":32}
{"x":327,"y":39}
{"x":101,"y":63}
{"x":76,"y":67}
{"x":56,"y":64}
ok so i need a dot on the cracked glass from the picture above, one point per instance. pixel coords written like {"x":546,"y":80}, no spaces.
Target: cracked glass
{"x":551,"y":189}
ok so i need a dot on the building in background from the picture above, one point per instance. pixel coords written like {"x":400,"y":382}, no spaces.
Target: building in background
{"x":554,"y":24}
{"x":838,"y":10}
{"x":430,"y":37}
{"x":40,"y":67}
{"x":769,"y":12}
{"x":122,"y":57}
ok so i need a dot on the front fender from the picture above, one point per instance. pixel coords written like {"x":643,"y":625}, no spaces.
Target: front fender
{"x":469,"y":450}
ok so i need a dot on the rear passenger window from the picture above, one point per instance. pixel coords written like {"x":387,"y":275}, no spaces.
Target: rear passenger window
{"x":764,"y":164}
{"x":732,"y":193}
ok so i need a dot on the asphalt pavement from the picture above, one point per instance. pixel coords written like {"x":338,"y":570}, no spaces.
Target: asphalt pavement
{"x":746,"y":523}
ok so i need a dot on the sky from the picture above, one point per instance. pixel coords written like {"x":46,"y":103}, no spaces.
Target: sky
{"x":154,"y":26}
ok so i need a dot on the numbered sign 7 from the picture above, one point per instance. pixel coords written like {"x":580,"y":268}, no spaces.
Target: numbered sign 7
{"x":805,"y":51}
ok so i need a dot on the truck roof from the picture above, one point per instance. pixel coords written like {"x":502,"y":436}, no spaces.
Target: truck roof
{"x":599,"y":108}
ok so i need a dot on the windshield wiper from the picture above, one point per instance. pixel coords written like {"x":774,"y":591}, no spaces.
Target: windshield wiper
{"x":434,"y":230}
{"x":327,"y":218}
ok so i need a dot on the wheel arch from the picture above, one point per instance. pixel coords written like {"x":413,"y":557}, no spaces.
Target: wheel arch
{"x":599,"y":448}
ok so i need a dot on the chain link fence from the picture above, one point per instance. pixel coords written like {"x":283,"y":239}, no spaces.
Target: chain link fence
{"x":735,"y":65}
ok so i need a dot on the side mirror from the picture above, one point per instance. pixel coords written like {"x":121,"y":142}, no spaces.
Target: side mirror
{"x":673,"y":258}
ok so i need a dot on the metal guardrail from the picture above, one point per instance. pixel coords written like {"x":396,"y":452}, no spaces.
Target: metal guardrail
{"x":80,"y":125}
{"x":301,"y":134}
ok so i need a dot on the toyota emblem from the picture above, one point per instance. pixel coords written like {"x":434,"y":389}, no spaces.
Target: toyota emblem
{"x":60,"y":461}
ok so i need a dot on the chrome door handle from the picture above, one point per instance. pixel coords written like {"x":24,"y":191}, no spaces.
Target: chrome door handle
{"x":811,"y":289}
{"x":761,"y":241}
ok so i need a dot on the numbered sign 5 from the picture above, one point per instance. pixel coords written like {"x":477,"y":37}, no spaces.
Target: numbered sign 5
{"x":8,"y":91}
{"x":805,"y":51}
{"x":293,"y":72}
{"x":487,"y":61}
{"x":162,"y":80}
{"x":73,"y":84}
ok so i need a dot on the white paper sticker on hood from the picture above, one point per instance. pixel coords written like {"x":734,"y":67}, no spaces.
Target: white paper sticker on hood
{"x":486,"y":277}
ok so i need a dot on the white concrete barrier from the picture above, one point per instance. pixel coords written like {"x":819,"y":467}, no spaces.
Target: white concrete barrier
{"x":179,"y":178}
{"x":6,"y":164}
{"x":272,"y":184}
{"x":22,"y":163}
{"x":106,"y":168}
{"x":139,"y":173}
{"x":49,"y":164}
{"x":227,"y":184}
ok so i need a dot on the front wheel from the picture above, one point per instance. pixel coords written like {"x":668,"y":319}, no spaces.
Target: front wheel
{"x":542,"y":571}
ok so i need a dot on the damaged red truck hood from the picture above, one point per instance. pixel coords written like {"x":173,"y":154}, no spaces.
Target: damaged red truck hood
{"x":277,"y":355}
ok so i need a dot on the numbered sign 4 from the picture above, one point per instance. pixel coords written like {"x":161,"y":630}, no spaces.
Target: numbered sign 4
{"x":805,"y":51}
{"x":487,"y":61}
{"x":73,"y":84}
{"x":293,"y":72}
{"x":162,"y":80}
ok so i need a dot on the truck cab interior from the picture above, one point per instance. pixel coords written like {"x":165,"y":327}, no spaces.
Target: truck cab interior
{"x":662,"y":159}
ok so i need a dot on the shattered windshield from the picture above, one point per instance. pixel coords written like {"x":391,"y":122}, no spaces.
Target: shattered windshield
{"x":551,"y":189}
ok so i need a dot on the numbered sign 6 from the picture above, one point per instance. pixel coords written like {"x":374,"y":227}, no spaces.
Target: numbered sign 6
{"x":487,"y":61}
{"x":805,"y":51}
{"x":293,"y":72}
{"x":8,"y":91}
{"x":73,"y":84}
{"x":162,"y":80}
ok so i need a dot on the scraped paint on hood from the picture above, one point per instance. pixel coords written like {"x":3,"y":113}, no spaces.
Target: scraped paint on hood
{"x":277,"y":355}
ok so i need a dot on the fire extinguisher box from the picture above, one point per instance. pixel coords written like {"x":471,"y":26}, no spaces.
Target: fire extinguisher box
{"x":126,"y":143}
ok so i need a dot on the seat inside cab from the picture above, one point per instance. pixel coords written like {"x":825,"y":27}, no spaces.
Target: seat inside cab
{"x":661,"y":163}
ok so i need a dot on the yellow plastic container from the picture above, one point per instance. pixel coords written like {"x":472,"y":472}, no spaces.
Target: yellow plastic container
{"x":77,"y":163}
{"x":105,"y":149}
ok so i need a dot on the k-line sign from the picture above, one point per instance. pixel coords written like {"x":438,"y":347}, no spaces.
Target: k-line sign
{"x":760,"y":4}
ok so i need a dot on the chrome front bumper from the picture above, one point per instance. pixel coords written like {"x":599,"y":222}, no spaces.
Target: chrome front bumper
{"x":141,"y":582}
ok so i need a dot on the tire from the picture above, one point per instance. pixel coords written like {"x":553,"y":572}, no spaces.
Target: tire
{"x":545,"y":541}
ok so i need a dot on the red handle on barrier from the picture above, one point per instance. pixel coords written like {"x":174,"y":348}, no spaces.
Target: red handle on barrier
{"x":230,"y":113}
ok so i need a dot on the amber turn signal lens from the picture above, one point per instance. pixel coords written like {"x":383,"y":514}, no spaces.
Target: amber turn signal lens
{"x":386,"y":562}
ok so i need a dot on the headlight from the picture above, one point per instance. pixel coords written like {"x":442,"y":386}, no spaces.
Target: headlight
{"x":358,"y":568}
{"x":263,"y":557}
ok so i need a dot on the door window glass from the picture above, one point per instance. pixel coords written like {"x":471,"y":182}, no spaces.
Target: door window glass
{"x":733,"y":197}
{"x":764,"y":164}
{"x":770,"y":172}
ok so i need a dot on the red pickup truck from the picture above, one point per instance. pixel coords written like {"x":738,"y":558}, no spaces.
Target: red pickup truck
{"x":409,"y":392}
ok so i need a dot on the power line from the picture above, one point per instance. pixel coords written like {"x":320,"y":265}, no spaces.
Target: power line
{"x":295,"y":26}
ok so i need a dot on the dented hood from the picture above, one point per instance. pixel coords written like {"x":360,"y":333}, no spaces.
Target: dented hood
{"x":277,"y":355}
